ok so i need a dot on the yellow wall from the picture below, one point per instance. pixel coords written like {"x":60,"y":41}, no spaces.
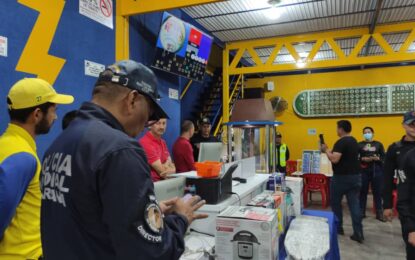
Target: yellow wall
{"x":388,"y":129}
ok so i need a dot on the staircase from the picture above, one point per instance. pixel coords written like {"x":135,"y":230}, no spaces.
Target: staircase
{"x":211,"y":102}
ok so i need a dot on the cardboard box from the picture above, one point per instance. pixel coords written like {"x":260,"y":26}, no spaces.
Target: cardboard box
{"x":282,"y":211}
{"x":296,"y":186}
{"x":247,"y":233}
{"x":263,"y":200}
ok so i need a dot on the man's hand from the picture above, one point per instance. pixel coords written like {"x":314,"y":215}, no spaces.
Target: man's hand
{"x":367,"y":159}
{"x":375,"y":158}
{"x":166,"y":206}
{"x":388,"y":214}
{"x":187,"y":208}
{"x":167,"y":172}
{"x":324,"y":148}
{"x":411,"y":238}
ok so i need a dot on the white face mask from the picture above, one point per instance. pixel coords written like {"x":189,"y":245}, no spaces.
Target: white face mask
{"x":368,"y":136}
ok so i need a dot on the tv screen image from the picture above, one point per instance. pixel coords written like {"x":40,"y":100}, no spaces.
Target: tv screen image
{"x":181,"y":48}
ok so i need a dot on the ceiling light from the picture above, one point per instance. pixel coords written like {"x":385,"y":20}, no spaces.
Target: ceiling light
{"x":301,"y":63}
{"x":275,"y":2}
{"x":273,"y":13}
{"x":303,"y":54}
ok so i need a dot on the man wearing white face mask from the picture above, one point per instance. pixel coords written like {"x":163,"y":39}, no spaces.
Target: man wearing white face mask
{"x":371,"y":155}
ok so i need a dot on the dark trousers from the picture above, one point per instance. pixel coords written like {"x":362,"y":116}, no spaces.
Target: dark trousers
{"x":281,"y":169}
{"x":373,"y":176}
{"x":350,"y":186}
{"x":410,"y":249}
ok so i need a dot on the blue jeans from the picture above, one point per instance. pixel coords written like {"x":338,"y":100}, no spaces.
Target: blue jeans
{"x":373,"y":175}
{"x":350,"y":186}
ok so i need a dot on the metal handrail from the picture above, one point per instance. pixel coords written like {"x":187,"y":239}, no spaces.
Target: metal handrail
{"x":186,"y":88}
{"x":236,"y":86}
{"x":231,"y":109}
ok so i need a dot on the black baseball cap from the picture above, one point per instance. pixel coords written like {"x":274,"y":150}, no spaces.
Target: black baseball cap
{"x":135,"y":76}
{"x":409,"y":117}
{"x":205,"y":121}
{"x":278,"y":134}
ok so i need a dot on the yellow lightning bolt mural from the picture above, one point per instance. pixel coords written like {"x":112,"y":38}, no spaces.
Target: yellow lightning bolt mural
{"x":35,"y":58}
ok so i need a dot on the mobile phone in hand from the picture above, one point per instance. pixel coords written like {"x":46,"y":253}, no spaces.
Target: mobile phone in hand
{"x":321,"y":136}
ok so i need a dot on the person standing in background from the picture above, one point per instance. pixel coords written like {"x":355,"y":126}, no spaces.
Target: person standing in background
{"x":371,"y":155}
{"x":158,"y":155}
{"x":399,"y":166}
{"x":346,"y":178}
{"x":182,"y":149}
{"x":394,"y":162}
{"x":203,"y":136}
{"x":32,"y":110}
{"x":406,"y":202}
{"x":282,"y":153}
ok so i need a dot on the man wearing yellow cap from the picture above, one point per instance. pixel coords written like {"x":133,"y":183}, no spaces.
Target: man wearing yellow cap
{"x":32,"y":110}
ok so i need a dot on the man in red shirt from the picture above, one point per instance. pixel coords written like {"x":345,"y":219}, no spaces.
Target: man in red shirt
{"x":158,"y":155}
{"x":182,"y":148}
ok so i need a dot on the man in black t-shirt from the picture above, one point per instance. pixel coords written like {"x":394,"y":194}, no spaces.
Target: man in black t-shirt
{"x":203,"y":136}
{"x":371,"y":155}
{"x":346,"y":178}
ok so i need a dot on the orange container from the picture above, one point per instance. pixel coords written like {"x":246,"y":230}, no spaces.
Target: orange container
{"x":208,"y":169}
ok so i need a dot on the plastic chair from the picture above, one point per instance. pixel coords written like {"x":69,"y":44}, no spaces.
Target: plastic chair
{"x":394,"y":203}
{"x":291,"y":167}
{"x":316,"y":182}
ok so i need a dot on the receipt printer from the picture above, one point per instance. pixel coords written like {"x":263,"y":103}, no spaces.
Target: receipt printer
{"x":213,"y":190}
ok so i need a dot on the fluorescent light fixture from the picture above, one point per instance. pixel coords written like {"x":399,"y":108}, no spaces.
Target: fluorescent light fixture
{"x":273,"y":13}
{"x":301,"y":63}
{"x":303,"y":54}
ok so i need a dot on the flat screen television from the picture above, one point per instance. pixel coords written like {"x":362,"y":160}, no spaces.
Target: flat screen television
{"x":182,"y":49}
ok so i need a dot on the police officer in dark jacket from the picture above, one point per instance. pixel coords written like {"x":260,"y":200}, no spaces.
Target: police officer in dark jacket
{"x":98,"y":197}
{"x":399,"y":164}
{"x":394,"y":162}
{"x":406,"y":201}
{"x":371,"y":156}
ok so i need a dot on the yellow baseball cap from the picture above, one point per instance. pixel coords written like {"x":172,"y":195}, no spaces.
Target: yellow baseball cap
{"x":31,"y":92}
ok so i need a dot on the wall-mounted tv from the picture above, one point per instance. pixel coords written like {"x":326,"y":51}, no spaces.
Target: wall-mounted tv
{"x":182,"y":49}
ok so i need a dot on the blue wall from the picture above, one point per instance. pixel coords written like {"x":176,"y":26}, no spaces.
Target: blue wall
{"x":77,"y":38}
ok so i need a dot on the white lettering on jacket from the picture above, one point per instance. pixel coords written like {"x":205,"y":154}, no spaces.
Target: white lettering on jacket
{"x":56,"y":168}
{"x":147,"y":236}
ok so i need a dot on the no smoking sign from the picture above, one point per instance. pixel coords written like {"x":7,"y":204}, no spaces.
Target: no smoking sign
{"x":106,"y":7}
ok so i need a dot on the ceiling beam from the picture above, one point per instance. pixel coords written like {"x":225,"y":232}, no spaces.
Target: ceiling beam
{"x":372,"y":26}
{"x":134,"y":7}
{"x":352,"y":59}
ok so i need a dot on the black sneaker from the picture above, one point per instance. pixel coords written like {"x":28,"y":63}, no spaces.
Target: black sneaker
{"x":357,"y":238}
{"x":340,"y":231}
{"x":380,"y":217}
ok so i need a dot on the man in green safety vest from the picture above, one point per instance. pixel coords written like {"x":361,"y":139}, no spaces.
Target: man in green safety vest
{"x":282,"y":154}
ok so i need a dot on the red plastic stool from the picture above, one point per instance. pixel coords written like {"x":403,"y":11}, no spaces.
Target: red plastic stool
{"x":316,"y":182}
{"x":394,"y":203}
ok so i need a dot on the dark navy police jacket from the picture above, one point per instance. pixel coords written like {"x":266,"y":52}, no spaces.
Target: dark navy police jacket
{"x":98,"y":199}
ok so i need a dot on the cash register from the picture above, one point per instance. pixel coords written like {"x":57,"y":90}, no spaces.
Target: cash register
{"x":213,"y":190}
